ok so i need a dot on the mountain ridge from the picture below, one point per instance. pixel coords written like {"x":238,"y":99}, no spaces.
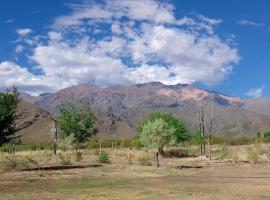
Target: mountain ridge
{"x":131,"y":104}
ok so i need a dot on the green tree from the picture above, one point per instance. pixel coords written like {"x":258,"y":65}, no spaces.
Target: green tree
{"x":197,"y":138}
{"x":76,"y":121}
{"x":178,"y":124}
{"x":8,"y":105}
{"x":157,"y":134}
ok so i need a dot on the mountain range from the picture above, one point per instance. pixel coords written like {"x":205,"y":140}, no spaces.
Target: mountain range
{"x":120,"y":109}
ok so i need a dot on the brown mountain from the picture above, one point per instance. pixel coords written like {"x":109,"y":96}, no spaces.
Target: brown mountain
{"x":33,"y":124}
{"x":131,"y":104}
{"x":258,"y":105}
{"x":36,"y":125}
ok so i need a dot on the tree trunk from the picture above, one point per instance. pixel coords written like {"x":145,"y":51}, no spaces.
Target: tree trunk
{"x":209,"y":147}
{"x":160,"y":150}
{"x":157,"y":160}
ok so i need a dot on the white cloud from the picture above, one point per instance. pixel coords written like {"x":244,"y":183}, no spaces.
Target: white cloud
{"x":249,"y":23}
{"x":143,"y":41}
{"x":255,"y":93}
{"x":55,"y":36}
{"x":14,"y":75}
{"x":24,"y":31}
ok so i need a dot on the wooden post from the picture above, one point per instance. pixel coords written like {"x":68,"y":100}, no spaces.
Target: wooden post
{"x":13,"y":148}
{"x":112,"y":145}
{"x":100,"y":146}
{"x":122,"y":143}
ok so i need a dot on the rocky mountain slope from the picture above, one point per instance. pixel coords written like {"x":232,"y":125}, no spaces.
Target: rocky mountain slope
{"x":233,"y":116}
{"x":258,"y":105}
{"x":36,"y":125}
{"x":33,"y":124}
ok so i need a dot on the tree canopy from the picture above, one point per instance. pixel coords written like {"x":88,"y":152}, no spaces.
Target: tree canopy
{"x":8,"y":105}
{"x":172,"y":121}
{"x":77,"y":120}
{"x":156,"y":134}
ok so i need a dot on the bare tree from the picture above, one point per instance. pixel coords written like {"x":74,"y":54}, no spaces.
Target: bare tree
{"x":205,"y":124}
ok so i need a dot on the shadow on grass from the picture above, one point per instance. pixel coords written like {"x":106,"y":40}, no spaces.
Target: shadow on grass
{"x":61,"y":167}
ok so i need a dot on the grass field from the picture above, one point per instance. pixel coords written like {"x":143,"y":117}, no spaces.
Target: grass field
{"x":126,"y":178}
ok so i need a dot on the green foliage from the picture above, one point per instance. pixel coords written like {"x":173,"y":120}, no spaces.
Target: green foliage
{"x":104,"y":157}
{"x":67,"y":142}
{"x":178,"y":124}
{"x":8,"y":104}
{"x":197,"y":138}
{"x":156,"y":134}
{"x":77,"y":120}
{"x":266,"y":135}
{"x":135,"y":142}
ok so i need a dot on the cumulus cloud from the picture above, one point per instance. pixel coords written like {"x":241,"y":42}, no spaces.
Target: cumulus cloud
{"x":126,"y":42}
{"x":23,"y":31}
{"x":255,"y":93}
{"x":14,"y":75}
{"x":249,"y":23}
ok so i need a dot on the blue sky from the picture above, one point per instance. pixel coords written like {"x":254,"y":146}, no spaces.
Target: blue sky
{"x":217,"y":45}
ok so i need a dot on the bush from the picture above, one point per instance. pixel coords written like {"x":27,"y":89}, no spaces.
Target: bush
{"x":78,"y":156}
{"x":144,"y":161}
{"x":266,"y":135}
{"x":104,"y":157}
{"x":135,"y":142}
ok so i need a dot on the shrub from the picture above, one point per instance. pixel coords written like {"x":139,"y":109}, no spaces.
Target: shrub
{"x":266,"y":135}
{"x":135,"y":142}
{"x":144,"y":161}
{"x":104,"y":157}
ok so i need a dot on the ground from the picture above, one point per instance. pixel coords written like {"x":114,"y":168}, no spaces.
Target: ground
{"x":126,"y":179}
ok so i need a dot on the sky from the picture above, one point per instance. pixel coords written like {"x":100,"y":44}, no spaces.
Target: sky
{"x":221,"y":46}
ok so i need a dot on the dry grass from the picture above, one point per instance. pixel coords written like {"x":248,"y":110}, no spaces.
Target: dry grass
{"x":124,"y":178}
